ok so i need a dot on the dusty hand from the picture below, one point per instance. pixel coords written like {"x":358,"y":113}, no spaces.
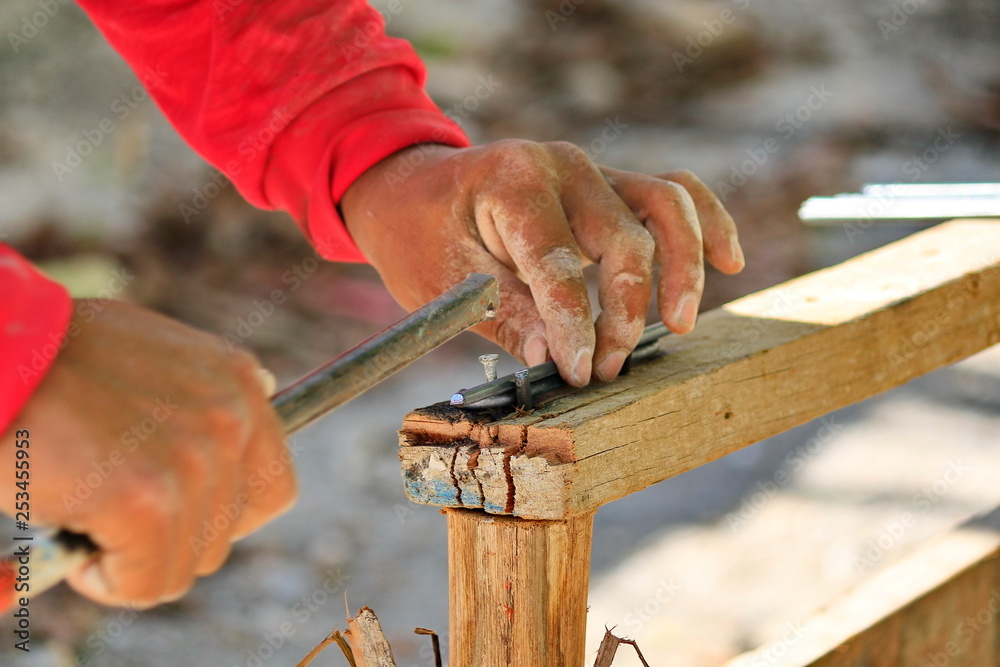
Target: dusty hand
{"x":158,"y":443}
{"x":532,"y":214}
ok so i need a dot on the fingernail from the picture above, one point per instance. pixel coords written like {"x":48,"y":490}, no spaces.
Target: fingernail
{"x":95,"y":583}
{"x":687,"y":311}
{"x":581,"y":368}
{"x":267,"y":380}
{"x":737,"y":251}
{"x":608,"y":369}
{"x":535,"y":349}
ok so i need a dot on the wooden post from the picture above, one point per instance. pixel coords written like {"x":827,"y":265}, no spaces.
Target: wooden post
{"x":518,"y":590}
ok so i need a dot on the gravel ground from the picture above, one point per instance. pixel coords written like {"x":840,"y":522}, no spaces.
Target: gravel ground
{"x":698,"y":568}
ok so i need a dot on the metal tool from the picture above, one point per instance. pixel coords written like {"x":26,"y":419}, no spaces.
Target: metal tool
{"x":905,"y":202}
{"x":42,"y":560}
{"x":543,"y":378}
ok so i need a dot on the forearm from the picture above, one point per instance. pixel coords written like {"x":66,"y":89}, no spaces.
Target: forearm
{"x":292,"y":101}
{"x":34,"y":314}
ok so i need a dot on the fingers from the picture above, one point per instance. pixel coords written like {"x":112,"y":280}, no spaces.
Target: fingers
{"x":519,"y":328}
{"x":722,"y":246}
{"x":551,"y":208}
{"x":139,"y":562}
{"x":523,"y":214}
{"x":610,"y":235}
{"x":268,"y":476}
{"x":686,"y":220}
{"x":226,"y":473}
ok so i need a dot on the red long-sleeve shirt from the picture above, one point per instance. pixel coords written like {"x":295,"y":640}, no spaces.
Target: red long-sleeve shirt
{"x":292,"y":100}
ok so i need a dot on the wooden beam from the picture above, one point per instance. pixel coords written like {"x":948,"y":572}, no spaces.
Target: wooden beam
{"x":518,"y":589}
{"x":938,"y":607}
{"x":752,"y":369}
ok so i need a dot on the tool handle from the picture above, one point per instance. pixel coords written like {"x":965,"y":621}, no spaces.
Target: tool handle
{"x":51,"y":557}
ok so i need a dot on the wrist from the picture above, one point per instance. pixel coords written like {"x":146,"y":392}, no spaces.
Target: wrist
{"x":387,"y":179}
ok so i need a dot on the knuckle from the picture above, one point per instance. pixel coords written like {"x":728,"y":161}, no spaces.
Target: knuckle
{"x":227,"y":424}
{"x":152,"y":495}
{"x":563,"y":262}
{"x":639,"y":242}
{"x":194,"y":460}
{"x":673,"y":193}
{"x":244,"y":365}
{"x":569,"y":151}
{"x":213,"y":558}
{"x":519,"y":153}
{"x":684,"y":176}
{"x":676,"y":199}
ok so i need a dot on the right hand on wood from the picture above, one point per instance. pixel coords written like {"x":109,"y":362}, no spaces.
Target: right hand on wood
{"x":533,"y":214}
{"x":158,"y":443}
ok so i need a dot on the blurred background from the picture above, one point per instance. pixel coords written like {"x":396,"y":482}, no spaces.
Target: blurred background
{"x":697,"y":569}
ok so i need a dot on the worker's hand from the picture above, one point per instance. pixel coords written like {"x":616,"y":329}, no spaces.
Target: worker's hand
{"x":157,"y":442}
{"x":532,"y":214}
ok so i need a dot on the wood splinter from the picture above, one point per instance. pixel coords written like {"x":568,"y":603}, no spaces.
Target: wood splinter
{"x":609,"y":646}
{"x":363,"y":643}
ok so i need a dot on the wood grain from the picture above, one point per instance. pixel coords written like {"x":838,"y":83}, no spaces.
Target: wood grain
{"x":752,"y":369}
{"x":938,"y":607}
{"x":518,"y":590}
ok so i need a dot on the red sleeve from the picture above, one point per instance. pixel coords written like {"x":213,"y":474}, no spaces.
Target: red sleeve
{"x":291,"y":99}
{"x":34,"y":314}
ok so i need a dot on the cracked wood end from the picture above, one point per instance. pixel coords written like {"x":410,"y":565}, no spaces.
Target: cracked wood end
{"x":752,"y":369}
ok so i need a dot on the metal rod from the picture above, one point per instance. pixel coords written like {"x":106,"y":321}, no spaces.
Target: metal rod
{"x":544,"y":378}
{"x":474,"y":300}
